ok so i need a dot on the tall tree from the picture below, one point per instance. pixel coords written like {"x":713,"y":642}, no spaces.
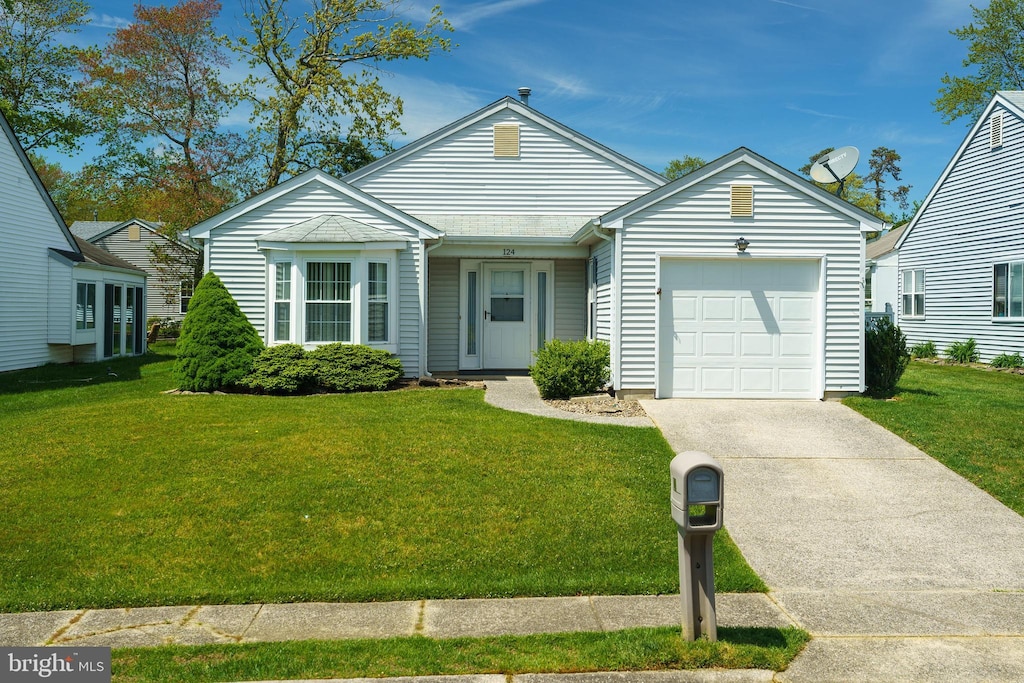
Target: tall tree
{"x":995,"y":53}
{"x":312,"y":84}
{"x":157,"y":95}
{"x":884,"y":162}
{"x":37,"y":72}
{"x":677,"y":168}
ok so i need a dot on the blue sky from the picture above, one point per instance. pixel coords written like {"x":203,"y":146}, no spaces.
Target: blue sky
{"x":663,"y":79}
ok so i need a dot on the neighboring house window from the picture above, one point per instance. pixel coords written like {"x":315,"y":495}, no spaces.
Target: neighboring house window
{"x":186,"y":289}
{"x":328,"y":301}
{"x":913,"y":293}
{"x":1008,"y":290}
{"x":377,"y":302}
{"x":282,"y":301}
{"x":867,"y":288}
{"x":85,"y":306}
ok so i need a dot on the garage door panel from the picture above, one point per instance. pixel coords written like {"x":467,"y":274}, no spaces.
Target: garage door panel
{"x":719,"y":308}
{"x":740,"y":328}
{"x":756,"y":345}
{"x":718,"y":344}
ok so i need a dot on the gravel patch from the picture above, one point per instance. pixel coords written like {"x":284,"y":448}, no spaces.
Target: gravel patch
{"x":600,"y":404}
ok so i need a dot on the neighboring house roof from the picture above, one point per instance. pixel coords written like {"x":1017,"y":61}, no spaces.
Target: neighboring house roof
{"x":522,"y":110}
{"x":330,"y":229}
{"x":40,"y":188}
{"x":868,"y":222}
{"x":202,"y":230}
{"x":886,"y":244}
{"x":97,"y":230}
{"x":1013,"y":101}
{"x":505,"y":226}
{"x":91,"y":229}
{"x":91,"y":254}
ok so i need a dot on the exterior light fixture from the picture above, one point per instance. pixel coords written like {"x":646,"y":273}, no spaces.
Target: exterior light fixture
{"x":742,"y":244}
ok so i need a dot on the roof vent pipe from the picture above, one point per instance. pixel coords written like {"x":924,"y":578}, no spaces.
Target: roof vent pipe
{"x":524,"y":96}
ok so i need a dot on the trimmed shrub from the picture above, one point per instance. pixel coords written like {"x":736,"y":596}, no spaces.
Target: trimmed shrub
{"x":885,"y":357}
{"x":963,"y":352}
{"x":924,"y":350}
{"x":1006,"y":360}
{"x":353,"y":367}
{"x":282,"y":369}
{"x":217,"y":343}
{"x":563,"y":369}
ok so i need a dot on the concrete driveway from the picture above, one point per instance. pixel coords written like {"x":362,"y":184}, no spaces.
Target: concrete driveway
{"x":901,"y":569}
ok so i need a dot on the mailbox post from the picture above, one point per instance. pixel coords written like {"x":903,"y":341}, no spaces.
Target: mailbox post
{"x":697,"y":496}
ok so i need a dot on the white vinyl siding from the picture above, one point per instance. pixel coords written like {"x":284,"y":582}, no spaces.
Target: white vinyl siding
{"x":443,"y":315}
{"x":570,"y":300}
{"x":163,"y":290}
{"x":235,"y":258}
{"x":553,"y":175}
{"x":788,"y":224}
{"x":604,"y":253}
{"x":970,"y":222}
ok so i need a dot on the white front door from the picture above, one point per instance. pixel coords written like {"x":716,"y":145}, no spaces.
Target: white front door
{"x":507,"y":312}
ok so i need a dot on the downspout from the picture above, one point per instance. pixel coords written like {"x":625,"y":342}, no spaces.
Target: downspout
{"x":423,"y":305}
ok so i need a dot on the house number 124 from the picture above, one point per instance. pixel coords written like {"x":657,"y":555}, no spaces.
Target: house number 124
{"x":508,"y":252}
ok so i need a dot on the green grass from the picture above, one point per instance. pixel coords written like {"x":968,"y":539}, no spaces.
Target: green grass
{"x":969,"y":419}
{"x":115,"y":494}
{"x":631,"y":650}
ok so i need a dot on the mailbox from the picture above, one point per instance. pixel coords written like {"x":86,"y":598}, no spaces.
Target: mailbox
{"x":697,"y":492}
{"x":697,"y":496}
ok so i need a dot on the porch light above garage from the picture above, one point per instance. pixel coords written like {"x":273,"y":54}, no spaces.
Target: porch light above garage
{"x":741,"y":244}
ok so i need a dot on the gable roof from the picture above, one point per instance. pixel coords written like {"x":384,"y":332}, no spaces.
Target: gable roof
{"x":507,"y":103}
{"x":886,"y":244}
{"x":1013,"y":101}
{"x":202,"y":230}
{"x":47,"y":199}
{"x":97,"y":230}
{"x":868,"y":222}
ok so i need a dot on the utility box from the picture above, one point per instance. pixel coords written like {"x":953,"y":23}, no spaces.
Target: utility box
{"x":697,"y":497}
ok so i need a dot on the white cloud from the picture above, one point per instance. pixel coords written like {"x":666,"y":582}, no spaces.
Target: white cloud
{"x":814,"y":112}
{"x":429,"y":105}
{"x":466,"y":17}
{"x":107,"y":21}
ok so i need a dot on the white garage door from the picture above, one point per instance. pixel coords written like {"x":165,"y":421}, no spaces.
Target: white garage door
{"x":743,"y":328}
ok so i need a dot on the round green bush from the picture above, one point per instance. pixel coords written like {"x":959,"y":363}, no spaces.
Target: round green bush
{"x":282,"y":369}
{"x":354,"y":367}
{"x":217,"y":343}
{"x":571,"y":368}
{"x":885,"y":357}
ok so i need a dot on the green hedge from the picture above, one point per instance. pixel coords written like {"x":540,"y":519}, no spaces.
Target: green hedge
{"x":563,"y":369}
{"x":885,"y":357}
{"x":290,"y":369}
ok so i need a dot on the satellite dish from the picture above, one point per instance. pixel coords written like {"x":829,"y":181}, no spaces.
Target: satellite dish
{"x":835,"y":166}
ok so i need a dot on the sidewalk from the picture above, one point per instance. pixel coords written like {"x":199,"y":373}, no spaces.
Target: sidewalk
{"x":200,"y":625}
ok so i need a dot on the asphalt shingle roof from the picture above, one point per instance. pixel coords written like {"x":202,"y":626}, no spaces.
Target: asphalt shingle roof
{"x":330,"y":229}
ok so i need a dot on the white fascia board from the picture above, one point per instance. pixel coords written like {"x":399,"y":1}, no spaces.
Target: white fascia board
{"x":330,"y":246}
{"x":997,"y":99}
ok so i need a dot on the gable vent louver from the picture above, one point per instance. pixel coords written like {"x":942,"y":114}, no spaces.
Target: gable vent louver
{"x":995,"y":131}
{"x":741,"y":200}
{"x":506,"y":140}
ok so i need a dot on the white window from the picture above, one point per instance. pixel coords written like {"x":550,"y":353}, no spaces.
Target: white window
{"x":913,"y":293}
{"x":377,"y":314}
{"x":328,"y":301}
{"x":867,"y":288}
{"x":1008,"y":290}
{"x":185,"y":290}
{"x":85,"y":306}
{"x":282,"y":301}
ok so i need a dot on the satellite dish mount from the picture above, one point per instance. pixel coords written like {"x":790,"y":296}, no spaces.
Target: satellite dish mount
{"x":835,"y":166}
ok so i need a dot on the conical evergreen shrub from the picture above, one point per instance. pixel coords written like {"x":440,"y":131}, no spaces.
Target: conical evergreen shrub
{"x":217,"y":343}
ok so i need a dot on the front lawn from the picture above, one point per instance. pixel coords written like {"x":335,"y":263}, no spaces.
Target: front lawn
{"x":115,"y":494}
{"x":629,"y":650}
{"x":969,"y":419}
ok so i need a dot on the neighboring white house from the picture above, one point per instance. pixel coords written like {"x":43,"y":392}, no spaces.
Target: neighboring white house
{"x":61,"y":299}
{"x":169,"y":287}
{"x":470,"y":248}
{"x":882,"y":273}
{"x":962,"y":257}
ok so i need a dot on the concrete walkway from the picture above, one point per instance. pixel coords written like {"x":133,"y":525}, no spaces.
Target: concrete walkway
{"x":900,"y":568}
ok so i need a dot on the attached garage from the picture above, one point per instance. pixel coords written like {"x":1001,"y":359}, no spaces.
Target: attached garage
{"x":739,"y":328}
{"x":738,"y":280}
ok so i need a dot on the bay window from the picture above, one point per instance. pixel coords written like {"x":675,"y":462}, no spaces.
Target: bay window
{"x":328,"y":301}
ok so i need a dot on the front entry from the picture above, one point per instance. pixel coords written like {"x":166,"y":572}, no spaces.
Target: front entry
{"x":507,"y":306}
